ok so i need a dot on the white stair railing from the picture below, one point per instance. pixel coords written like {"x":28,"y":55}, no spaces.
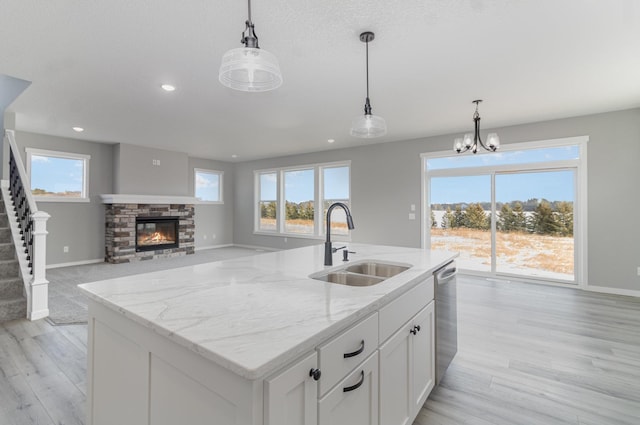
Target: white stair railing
{"x":29,"y":232}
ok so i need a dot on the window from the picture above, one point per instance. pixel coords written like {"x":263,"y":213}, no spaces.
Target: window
{"x":58,"y":176}
{"x":299,"y":200}
{"x":293,"y":201}
{"x":335,"y":188}
{"x":208,"y":185}
{"x":268,"y":201}
{"x":519,"y":213}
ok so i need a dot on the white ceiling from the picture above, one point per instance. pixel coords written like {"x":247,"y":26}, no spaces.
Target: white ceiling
{"x":99,"y":65}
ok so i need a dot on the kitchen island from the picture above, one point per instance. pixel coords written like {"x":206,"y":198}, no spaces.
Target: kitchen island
{"x":252,"y":340}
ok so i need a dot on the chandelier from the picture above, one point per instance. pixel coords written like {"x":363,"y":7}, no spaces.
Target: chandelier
{"x":471,"y":143}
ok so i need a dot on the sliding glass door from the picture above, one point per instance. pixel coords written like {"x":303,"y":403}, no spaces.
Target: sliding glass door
{"x":534,"y":224}
{"x":460,"y":220}
{"x":514,"y":213}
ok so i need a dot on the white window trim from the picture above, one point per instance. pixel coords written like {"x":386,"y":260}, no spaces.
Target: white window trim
{"x":319,"y":231}
{"x":581,"y":202}
{"x":66,"y":155}
{"x":220,"y":186}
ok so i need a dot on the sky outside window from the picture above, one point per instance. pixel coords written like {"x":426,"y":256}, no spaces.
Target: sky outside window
{"x":57,"y":176}
{"x":207,"y":186}
{"x":558,"y":153}
{"x":336,"y":183}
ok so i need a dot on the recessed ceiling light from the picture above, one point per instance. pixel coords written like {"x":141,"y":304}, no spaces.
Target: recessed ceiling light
{"x":168,"y":87}
{"x":331,"y":140}
{"x":78,"y":129}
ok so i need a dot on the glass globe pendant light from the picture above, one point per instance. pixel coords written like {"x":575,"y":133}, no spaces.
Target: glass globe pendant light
{"x":368,"y":125}
{"x":470,"y":142}
{"x":250,"y":68}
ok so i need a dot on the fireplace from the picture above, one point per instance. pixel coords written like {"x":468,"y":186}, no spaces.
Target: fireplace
{"x":156,"y":233}
{"x":123,"y":215}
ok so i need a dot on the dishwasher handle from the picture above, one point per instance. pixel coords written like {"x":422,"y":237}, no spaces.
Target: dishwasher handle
{"x":446,"y":275}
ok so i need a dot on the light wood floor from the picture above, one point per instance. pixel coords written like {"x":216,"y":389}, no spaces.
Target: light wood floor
{"x":528,"y":355}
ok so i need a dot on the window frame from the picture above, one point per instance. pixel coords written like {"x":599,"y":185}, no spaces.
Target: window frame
{"x":580,"y":203}
{"x":318,"y":190}
{"x":85,"y":197}
{"x":220,"y":175}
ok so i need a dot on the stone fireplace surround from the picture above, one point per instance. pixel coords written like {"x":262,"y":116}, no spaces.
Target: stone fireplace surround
{"x":120,"y":221}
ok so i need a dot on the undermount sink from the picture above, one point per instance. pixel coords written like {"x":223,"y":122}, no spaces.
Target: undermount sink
{"x":377,"y":269}
{"x":349,"y":279}
{"x":365,"y":273}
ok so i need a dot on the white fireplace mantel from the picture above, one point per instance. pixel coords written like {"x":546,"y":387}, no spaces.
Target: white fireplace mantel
{"x":115,"y":198}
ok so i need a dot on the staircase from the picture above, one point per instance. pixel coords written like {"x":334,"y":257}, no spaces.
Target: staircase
{"x":13,"y":304}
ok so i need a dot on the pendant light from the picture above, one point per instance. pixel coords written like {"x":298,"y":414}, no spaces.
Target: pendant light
{"x":368,"y":125}
{"x":250,"y":68}
{"x":468,"y":143}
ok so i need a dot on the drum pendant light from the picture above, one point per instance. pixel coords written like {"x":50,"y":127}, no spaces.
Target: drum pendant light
{"x":368,"y":125}
{"x":250,"y":68}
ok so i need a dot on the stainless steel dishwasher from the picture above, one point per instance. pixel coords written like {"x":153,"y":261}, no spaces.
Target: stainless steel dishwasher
{"x":446,"y":317}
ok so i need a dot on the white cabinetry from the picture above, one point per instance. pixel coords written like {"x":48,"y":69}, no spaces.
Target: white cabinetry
{"x":291,"y":397}
{"x":354,"y":401}
{"x":423,"y":357}
{"x":379,"y":371}
{"x":407,"y":358}
{"x":343,"y":353}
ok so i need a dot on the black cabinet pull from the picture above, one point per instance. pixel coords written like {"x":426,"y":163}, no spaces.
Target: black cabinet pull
{"x":315,"y":374}
{"x":355,"y":353}
{"x":356,"y":386}
{"x":415,"y":329}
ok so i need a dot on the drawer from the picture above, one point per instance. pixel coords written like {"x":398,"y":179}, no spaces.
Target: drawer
{"x":343,"y":353}
{"x":355,"y":399}
{"x":399,"y":311}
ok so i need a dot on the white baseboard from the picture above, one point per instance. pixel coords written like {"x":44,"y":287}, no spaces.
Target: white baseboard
{"x":204,"y":248}
{"x":75,"y":263}
{"x":613,"y":291}
{"x":40,"y":314}
{"x":256,"y":247}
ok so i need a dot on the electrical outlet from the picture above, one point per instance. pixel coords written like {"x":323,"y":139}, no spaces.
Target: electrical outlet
{"x":213,"y":236}
{"x":285,"y":240}
{"x":638,"y":271}
{"x":65,"y":249}
{"x":412,"y":216}
{"x":413,"y":207}
{"x":204,"y":237}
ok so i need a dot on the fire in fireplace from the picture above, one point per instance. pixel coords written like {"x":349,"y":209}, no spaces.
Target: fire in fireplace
{"x":154,"y":233}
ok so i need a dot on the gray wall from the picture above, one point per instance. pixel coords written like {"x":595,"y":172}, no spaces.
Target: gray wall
{"x":126,"y":169}
{"x":214,"y":222}
{"x":137,"y":175}
{"x":386,"y":180}
{"x":80,"y":226}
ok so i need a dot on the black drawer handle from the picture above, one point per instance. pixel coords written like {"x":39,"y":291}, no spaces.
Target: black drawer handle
{"x":356,"y":386}
{"x":355,"y":353}
{"x":315,"y":374}
{"x":415,"y":329}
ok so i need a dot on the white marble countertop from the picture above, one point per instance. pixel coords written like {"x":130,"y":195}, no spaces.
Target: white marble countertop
{"x":253,"y":315}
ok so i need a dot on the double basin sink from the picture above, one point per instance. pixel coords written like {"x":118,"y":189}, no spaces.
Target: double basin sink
{"x":364,"y":273}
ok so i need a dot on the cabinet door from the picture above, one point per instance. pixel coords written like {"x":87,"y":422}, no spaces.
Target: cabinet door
{"x":422,"y":357}
{"x":291,"y":397}
{"x":354,"y":400}
{"x":395,"y":378}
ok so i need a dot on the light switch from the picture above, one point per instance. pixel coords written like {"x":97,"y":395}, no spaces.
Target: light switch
{"x":413,"y":207}
{"x":412,"y":216}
